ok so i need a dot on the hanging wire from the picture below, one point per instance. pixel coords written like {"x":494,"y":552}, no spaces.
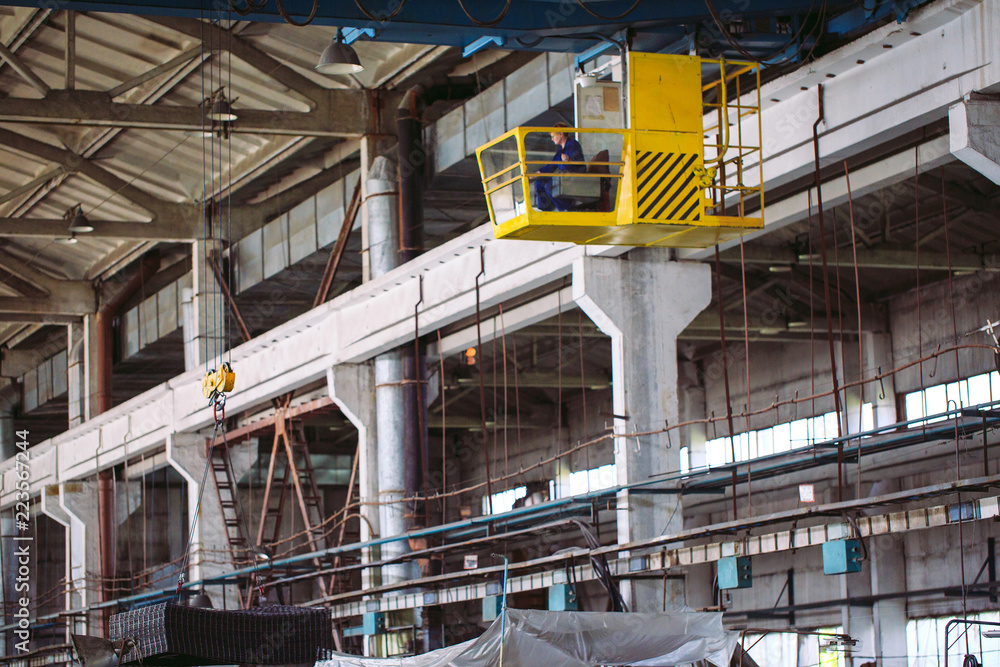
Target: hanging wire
{"x":746,"y":363}
{"x":384,"y":17}
{"x":285,"y":15}
{"x":857,"y":299}
{"x":916,"y":246}
{"x":559,"y":365}
{"x":482,"y":388}
{"x":583,"y":389}
{"x":812,"y":314}
{"x":444,"y":438}
{"x":951,"y":283}
{"x":628,"y":11}
{"x":485,"y":24}
{"x":725,"y":367}
{"x":229,"y":198}
{"x":517,"y":406}
{"x":503,"y":339}
{"x":815,"y":33}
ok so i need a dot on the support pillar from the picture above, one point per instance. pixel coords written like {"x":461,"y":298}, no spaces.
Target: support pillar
{"x":90,"y":367}
{"x":381,"y":205}
{"x":74,"y":505}
{"x":643,"y":303}
{"x":858,"y":619}
{"x":187,"y":454}
{"x":351,"y":387}
{"x":76,"y":375}
{"x":881,"y":394}
{"x":888,"y":575}
{"x":692,"y":407}
{"x":974,"y":135}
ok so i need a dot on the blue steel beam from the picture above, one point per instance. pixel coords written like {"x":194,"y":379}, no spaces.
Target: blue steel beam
{"x":563,"y":24}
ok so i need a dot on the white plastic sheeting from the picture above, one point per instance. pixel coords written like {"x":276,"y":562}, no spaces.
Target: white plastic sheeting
{"x":578,"y":639}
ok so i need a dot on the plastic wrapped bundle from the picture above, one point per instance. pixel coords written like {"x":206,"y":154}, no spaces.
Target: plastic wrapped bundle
{"x":172,"y":635}
{"x":577,"y":639}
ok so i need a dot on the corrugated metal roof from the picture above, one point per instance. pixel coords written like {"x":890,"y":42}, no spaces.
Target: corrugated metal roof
{"x":171,"y":165}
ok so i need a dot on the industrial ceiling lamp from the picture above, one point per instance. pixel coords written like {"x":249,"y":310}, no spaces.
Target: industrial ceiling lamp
{"x":339,"y":58}
{"x":222,"y":109}
{"x":200,"y":600}
{"x":67,"y":240}
{"x":78,"y":223}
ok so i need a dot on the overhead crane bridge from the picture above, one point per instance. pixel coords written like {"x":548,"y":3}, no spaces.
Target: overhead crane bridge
{"x":675,"y":174}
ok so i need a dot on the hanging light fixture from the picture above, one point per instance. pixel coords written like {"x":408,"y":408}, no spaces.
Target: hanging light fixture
{"x":67,"y":240}
{"x":78,"y":223}
{"x":222,"y":109}
{"x":200,"y":600}
{"x":339,"y":58}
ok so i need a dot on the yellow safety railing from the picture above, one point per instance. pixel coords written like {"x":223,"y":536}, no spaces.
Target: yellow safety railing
{"x":677,"y":177}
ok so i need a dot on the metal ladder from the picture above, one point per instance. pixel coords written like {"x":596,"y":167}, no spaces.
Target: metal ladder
{"x":300,"y":476}
{"x":232,"y":511}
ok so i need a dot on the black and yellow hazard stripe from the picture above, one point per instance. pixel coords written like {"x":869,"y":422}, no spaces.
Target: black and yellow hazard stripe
{"x":667,"y":187}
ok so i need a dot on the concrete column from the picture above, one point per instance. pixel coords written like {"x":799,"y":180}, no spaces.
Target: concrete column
{"x":207,"y":338}
{"x":383,"y":237}
{"x":858,"y":620}
{"x":974,"y":135}
{"x":90,"y":366}
{"x":76,"y":376}
{"x":643,"y":303}
{"x":186,"y":453}
{"x":692,"y":406}
{"x":74,"y":505}
{"x":888,"y":575}
{"x":881,"y":394}
{"x":352,"y":388}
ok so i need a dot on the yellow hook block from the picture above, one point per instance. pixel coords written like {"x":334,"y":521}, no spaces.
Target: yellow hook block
{"x":219,"y":381}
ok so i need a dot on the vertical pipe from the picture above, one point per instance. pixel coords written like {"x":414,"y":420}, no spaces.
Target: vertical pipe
{"x":411,"y":241}
{"x":383,"y":242}
{"x":148,"y":266}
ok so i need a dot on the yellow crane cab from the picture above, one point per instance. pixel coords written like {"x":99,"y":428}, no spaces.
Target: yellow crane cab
{"x":684,"y":171}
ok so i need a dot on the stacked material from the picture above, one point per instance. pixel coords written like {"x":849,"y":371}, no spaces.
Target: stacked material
{"x":173,"y":635}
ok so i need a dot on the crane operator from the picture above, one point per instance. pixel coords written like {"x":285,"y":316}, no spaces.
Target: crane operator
{"x":568,"y":149}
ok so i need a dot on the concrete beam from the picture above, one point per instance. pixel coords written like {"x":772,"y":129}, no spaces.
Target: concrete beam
{"x":874,"y":258}
{"x":975,"y":135}
{"x":341,"y":113}
{"x":17,"y":362}
{"x":70,"y":297}
{"x":187,"y":229}
{"x":38,"y":318}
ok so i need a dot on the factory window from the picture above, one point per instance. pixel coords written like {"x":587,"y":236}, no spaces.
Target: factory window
{"x":595,"y":479}
{"x":925,"y":641}
{"x":503,"y":501}
{"x":779,"y":438}
{"x":584,"y":481}
{"x":934,"y":400}
{"x":788,"y":649}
